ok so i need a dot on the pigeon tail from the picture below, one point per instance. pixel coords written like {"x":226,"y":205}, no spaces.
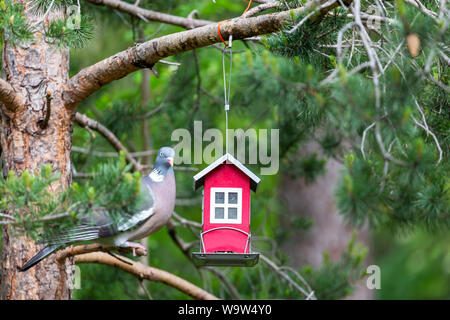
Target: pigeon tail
{"x":41,"y":255}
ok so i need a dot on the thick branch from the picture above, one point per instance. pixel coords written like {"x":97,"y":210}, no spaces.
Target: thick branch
{"x":146,"y":54}
{"x":11,"y":99}
{"x":144,"y":272}
{"x":85,"y":121}
{"x":151,"y":15}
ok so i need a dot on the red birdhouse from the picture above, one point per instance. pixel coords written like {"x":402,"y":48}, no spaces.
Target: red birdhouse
{"x":225,"y":239}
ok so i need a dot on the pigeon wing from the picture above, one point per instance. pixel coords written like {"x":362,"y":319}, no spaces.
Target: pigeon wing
{"x":99,"y":224}
{"x":146,"y":209}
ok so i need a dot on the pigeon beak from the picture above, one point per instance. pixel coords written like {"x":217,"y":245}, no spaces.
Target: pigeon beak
{"x":170,"y":161}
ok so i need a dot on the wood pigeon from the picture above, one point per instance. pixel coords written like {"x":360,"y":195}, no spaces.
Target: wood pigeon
{"x":159,"y":200}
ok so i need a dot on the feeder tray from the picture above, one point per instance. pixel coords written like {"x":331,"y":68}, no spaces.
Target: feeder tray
{"x":225,"y":259}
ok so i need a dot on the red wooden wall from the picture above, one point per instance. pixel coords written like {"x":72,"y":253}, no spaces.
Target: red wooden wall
{"x":226,"y":176}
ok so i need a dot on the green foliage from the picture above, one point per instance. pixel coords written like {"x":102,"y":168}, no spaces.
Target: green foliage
{"x":72,"y":31}
{"x":309,"y":167}
{"x":59,"y":34}
{"x":43,"y":5}
{"x":305,"y":42}
{"x":25,"y":196}
{"x":302,"y":223}
{"x":334,"y":280}
{"x":299,"y":43}
{"x":406,"y":197}
{"x":413,"y":266}
{"x":13,"y":23}
{"x":121,"y":114}
{"x":105,"y":283}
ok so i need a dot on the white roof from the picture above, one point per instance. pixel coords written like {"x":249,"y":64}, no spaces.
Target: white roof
{"x":199,"y":178}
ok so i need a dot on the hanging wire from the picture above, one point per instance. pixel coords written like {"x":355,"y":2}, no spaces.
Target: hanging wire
{"x":226,"y":89}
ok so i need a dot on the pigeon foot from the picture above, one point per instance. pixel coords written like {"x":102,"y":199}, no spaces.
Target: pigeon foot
{"x":135,"y":246}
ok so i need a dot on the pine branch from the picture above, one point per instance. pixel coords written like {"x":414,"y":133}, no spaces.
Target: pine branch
{"x":87,"y":122}
{"x":263,"y":7}
{"x":9,"y":97}
{"x":145,"y":14}
{"x":144,"y":272}
{"x":146,"y":54}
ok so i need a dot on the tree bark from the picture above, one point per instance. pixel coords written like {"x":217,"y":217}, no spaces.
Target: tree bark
{"x":29,"y":140}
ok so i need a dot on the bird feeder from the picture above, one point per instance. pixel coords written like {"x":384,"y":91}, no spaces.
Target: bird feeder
{"x":225,"y":239}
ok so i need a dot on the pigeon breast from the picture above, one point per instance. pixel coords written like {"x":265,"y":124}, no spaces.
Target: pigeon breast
{"x":164,"y":194}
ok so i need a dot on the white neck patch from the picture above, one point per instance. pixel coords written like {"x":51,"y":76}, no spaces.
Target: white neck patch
{"x":155,"y":176}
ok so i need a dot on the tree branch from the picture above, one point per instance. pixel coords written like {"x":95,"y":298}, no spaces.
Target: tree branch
{"x":9,"y":97}
{"x":95,"y":247}
{"x":141,"y":13}
{"x":87,"y":122}
{"x":146,"y":54}
{"x":261,"y":8}
{"x":185,"y":222}
{"x":279,"y":271}
{"x":113,"y":154}
{"x":144,"y":272}
{"x":184,"y":246}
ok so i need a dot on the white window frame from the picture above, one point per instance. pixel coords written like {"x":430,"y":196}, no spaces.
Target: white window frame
{"x":225,"y":205}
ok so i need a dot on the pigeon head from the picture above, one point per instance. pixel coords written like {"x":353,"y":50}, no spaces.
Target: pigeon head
{"x":163,"y":164}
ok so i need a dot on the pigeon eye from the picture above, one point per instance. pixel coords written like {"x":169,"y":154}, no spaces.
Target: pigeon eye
{"x":161,"y":154}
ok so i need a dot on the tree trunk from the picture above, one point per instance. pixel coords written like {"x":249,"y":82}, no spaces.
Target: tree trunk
{"x":35,"y":69}
{"x":329,"y":232}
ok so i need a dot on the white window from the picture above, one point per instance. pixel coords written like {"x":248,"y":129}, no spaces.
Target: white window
{"x":226,"y":205}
